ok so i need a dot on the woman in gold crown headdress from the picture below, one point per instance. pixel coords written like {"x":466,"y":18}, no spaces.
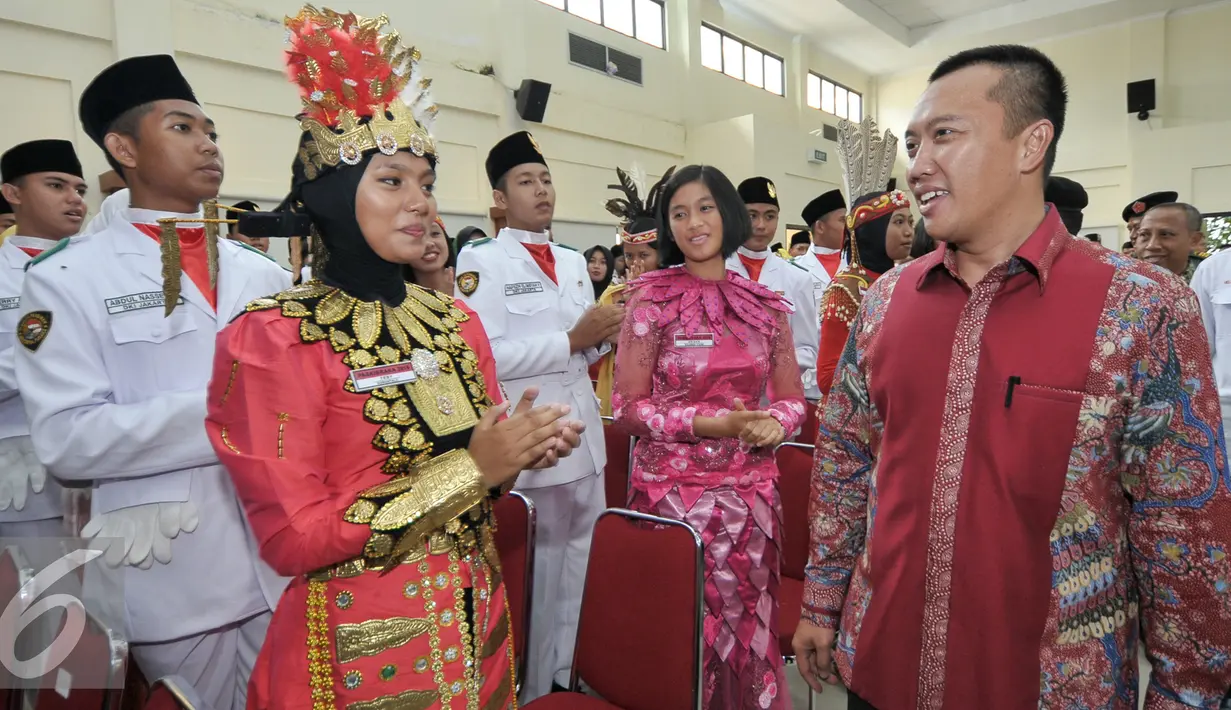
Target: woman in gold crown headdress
{"x":879,"y":232}
{"x":356,"y":420}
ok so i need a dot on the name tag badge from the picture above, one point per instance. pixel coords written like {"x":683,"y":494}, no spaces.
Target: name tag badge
{"x":522,"y":288}
{"x":370,"y":378}
{"x":696,"y":340}
{"x":138,"y":302}
{"x":9,"y":304}
{"x":818,"y":286}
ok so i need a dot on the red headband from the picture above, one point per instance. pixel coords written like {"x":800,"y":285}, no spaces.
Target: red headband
{"x":875,"y":209}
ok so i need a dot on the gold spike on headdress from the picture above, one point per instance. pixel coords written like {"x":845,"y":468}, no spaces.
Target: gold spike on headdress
{"x":867,"y":157}
{"x":172,"y":268}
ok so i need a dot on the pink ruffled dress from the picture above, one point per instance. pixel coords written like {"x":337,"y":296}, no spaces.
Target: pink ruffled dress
{"x":689,"y":348}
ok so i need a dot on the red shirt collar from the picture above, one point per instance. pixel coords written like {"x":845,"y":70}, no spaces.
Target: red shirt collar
{"x":1036,"y":255}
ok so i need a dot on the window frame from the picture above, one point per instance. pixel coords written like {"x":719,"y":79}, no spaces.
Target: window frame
{"x":662,"y":5}
{"x":724,"y":37}
{"x":821,"y":79}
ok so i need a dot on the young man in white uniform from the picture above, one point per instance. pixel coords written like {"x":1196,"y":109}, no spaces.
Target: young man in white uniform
{"x":826,"y":218}
{"x":43,"y":182}
{"x":536,"y":302}
{"x":755,"y":261}
{"x":114,"y":384}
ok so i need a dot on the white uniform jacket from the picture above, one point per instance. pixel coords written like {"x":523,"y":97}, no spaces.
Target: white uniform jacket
{"x":527,"y":318}
{"x":795,"y":285}
{"x":115,"y":395}
{"x":14,"y":431}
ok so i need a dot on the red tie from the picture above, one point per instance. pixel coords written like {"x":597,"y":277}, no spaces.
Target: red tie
{"x":830,"y":262}
{"x":544,"y":258}
{"x":192,"y":256}
{"x":754,"y":266}
{"x":31,"y":251}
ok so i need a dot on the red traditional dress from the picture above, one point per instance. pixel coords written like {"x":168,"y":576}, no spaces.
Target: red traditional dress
{"x":338,"y":482}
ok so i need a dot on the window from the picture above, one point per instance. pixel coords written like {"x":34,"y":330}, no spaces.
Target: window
{"x":740,"y":60}
{"x":642,"y":19}
{"x":831,"y":97}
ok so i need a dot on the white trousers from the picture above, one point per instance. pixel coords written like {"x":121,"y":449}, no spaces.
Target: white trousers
{"x":565,"y":517}
{"x":50,"y":527}
{"x":217,"y":664}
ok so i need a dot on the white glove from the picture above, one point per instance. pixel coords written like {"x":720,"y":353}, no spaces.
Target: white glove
{"x":20,"y":472}
{"x":140,"y":535}
{"x":808,"y":377}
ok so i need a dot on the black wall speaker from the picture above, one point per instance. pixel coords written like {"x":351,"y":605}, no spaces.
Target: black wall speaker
{"x":1141,"y":98}
{"x":532,"y":100}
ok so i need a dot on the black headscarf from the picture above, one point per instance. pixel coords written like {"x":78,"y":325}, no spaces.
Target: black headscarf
{"x":870,"y":238}
{"x":465,"y":234}
{"x":600,"y":286}
{"x":352,"y":265}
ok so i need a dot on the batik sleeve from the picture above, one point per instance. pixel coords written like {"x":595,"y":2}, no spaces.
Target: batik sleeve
{"x":1180,"y":522}
{"x":846,"y":446}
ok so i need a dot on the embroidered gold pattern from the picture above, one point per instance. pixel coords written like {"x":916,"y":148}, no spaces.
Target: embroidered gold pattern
{"x":409,"y":700}
{"x":283,"y":418}
{"x":355,"y":641}
{"x":226,"y":440}
{"x":230,"y":382}
{"x":319,"y":667}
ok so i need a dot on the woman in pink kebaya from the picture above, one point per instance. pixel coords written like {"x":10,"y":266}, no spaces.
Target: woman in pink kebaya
{"x":701,"y":348}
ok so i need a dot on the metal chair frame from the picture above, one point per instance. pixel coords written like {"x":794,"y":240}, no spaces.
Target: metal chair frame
{"x":528,"y":594}
{"x":699,"y":649}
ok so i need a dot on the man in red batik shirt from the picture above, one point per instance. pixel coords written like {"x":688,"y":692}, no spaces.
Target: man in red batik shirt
{"x":1020,"y":466}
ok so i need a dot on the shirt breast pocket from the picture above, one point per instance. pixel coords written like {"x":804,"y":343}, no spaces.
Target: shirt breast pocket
{"x":526,"y":305}
{"x":1041,"y":423}
{"x":1221,"y":298}
{"x":153,"y":353}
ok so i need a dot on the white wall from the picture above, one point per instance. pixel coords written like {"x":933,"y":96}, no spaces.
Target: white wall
{"x":1183,"y":147}
{"x":231,"y":51}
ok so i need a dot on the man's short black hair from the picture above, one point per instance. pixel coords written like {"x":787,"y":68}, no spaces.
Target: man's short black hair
{"x":1031,"y":89}
{"x":126,"y":124}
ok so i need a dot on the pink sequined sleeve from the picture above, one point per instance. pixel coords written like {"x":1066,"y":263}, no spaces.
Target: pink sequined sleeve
{"x":640,"y":410}
{"x":785,"y":389}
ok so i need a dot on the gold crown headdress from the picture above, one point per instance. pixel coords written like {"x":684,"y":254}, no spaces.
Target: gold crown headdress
{"x":361,"y":90}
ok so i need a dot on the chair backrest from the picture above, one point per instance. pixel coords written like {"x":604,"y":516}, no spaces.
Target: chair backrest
{"x":174,"y":693}
{"x":92,"y":675}
{"x":515,"y":528}
{"x":639,"y":636}
{"x":812,"y":423}
{"x":619,"y":463}
{"x":795,"y":485}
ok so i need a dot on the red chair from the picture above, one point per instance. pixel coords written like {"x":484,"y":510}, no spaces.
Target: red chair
{"x":515,"y":527}
{"x":619,"y":463}
{"x":795,"y":486}
{"x":15,"y":573}
{"x":173,"y":693}
{"x":638,"y":649}
{"x":92,"y":675}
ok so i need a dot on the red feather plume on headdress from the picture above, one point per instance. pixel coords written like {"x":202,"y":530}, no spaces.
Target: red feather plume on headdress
{"x":341,"y":62}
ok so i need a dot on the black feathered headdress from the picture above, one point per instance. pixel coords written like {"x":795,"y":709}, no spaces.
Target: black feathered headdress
{"x":638,"y":224}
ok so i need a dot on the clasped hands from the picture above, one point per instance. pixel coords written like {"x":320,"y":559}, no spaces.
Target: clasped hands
{"x":754,"y":428}
{"x":530,"y":438}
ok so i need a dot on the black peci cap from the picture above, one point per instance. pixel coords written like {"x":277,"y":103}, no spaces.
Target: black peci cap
{"x":823,"y":205}
{"x":42,"y":156}
{"x":758,"y":191}
{"x":127,"y":84}
{"x":518,"y":149}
